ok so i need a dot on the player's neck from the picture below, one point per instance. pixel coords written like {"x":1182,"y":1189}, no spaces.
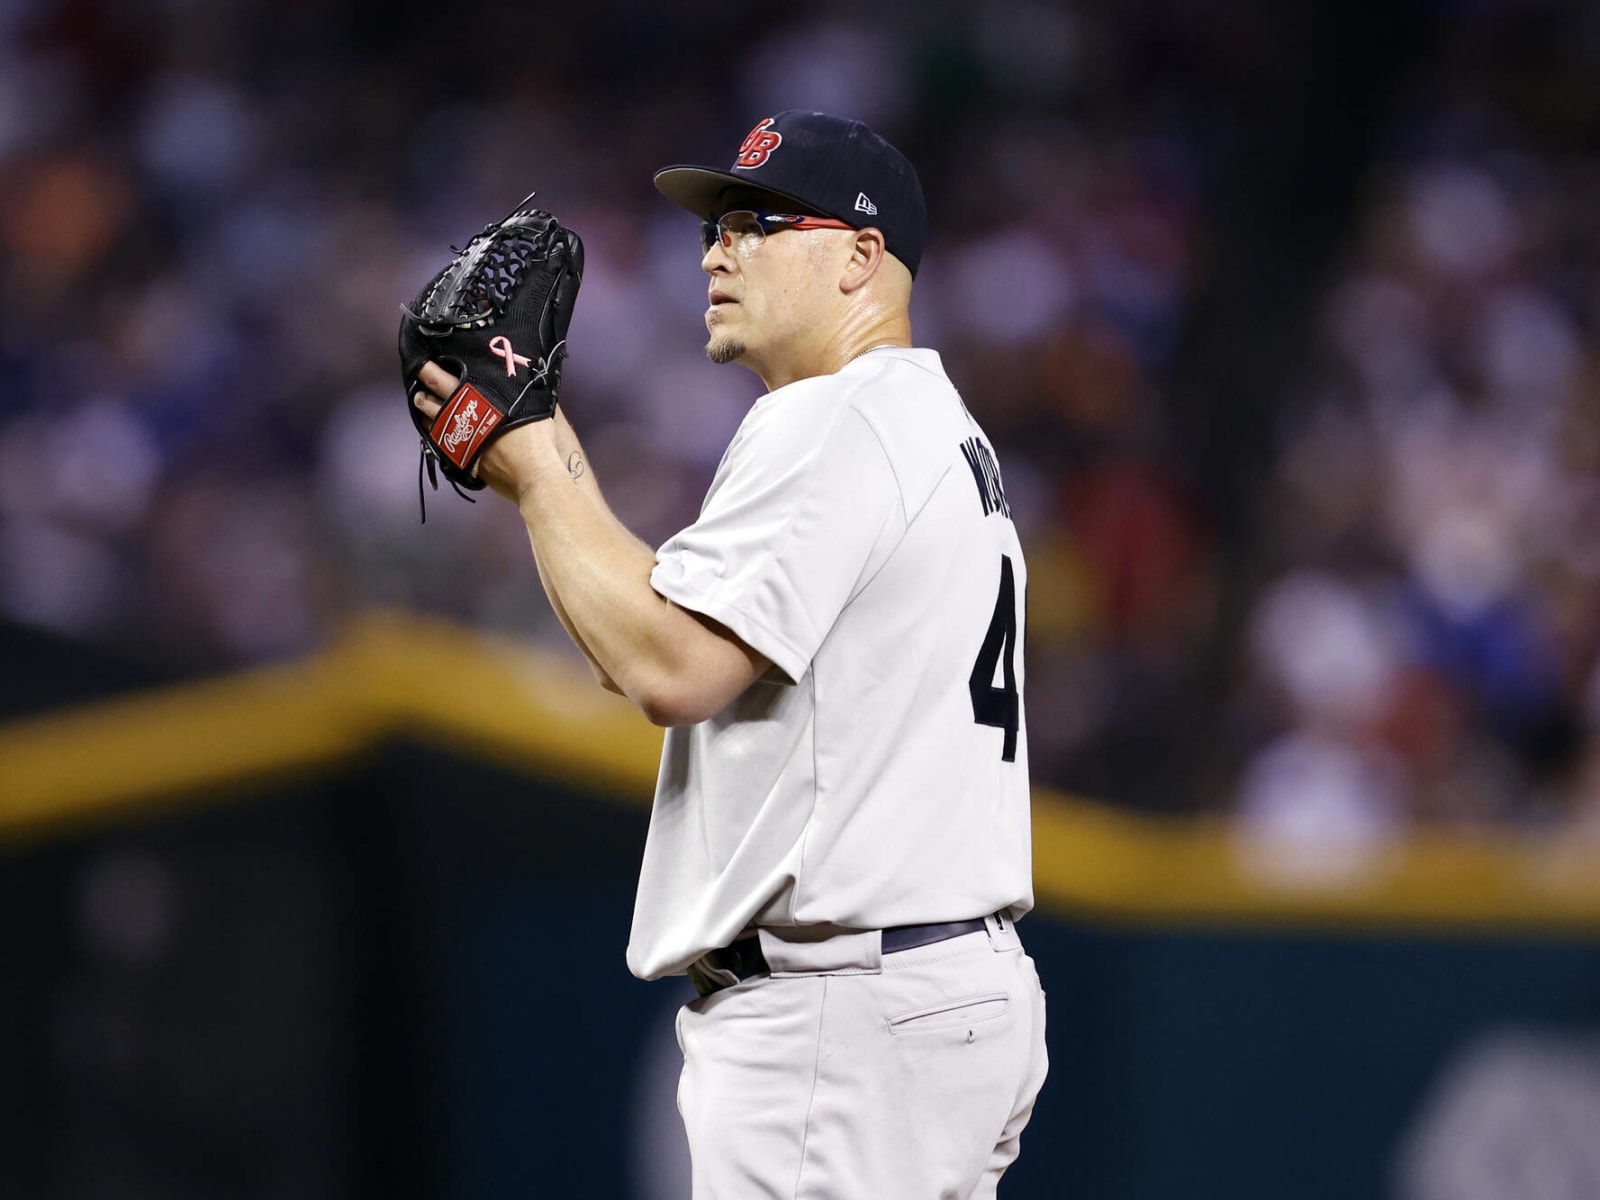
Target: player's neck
{"x":867,"y":327}
{"x":848,"y":342}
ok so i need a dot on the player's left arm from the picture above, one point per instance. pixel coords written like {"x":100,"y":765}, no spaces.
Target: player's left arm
{"x":679,"y":667}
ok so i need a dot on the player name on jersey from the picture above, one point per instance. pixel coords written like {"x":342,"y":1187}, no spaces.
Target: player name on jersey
{"x":986,"y":473}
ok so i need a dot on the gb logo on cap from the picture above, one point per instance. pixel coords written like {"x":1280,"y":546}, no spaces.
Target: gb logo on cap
{"x":758,"y":144}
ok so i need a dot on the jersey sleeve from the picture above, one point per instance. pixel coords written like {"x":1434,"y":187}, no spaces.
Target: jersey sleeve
{"x":786,"y":534}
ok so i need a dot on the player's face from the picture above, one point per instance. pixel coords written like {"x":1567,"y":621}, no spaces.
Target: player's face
{"x":764,"y":294}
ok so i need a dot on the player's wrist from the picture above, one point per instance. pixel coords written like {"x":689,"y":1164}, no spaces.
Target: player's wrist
{"x":538,"y":464}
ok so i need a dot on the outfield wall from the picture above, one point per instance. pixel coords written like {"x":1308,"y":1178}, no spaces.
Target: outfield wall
{"x":358,"y":923}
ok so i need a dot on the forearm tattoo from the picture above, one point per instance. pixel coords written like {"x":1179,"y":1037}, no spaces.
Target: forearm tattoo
{"x":575,"y":466}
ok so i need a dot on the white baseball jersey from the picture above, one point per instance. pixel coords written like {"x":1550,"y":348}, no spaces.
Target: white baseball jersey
{"x":856,"y":534}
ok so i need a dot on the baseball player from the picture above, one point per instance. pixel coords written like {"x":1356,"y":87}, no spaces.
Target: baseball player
{"x":839,"y":844}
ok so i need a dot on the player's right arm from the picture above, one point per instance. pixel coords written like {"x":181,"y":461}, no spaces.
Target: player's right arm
{"x":571,"y":452}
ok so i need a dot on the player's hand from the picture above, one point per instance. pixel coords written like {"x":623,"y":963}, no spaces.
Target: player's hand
{"x":498,"y":464}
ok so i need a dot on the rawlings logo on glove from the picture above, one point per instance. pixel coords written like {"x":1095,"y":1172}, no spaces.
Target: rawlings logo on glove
{"x":514,"y":285}
{"x":467,"y":432}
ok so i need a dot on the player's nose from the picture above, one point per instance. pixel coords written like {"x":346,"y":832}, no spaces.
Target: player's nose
{"x":716,"y":258}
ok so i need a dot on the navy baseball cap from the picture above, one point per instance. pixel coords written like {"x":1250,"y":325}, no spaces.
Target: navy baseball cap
{"x":828,"y":165}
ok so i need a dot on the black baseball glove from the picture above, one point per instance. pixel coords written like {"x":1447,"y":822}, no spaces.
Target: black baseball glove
{"x":496,"y":317}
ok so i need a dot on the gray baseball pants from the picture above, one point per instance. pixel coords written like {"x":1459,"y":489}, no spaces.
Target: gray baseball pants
{"x":848,"y":1074}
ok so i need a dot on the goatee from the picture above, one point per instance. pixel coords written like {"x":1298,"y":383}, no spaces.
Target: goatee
{"x":724,"y":350}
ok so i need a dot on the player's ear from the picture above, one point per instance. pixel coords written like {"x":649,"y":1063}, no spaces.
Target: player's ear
{"x":867,"y":254}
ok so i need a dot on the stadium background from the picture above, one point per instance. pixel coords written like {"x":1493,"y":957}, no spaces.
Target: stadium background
{"x":317,"y":861}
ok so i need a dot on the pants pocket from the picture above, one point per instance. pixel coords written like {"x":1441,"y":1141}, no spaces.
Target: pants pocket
{"x":970,"y":1010}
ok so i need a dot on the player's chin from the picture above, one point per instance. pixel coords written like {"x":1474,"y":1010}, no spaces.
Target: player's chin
{"x":724,"y":349}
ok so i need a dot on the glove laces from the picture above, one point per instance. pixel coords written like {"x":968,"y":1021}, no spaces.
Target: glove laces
{"x":547,"y":361}
{"x":426,"y":461}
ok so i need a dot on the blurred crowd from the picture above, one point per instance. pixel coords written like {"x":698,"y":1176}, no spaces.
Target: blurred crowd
{"x":211,"y":214}
{"x":1424,"y":643}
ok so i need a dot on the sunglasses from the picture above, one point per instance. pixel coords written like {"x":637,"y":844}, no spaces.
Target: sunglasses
{"x":746,"y":228}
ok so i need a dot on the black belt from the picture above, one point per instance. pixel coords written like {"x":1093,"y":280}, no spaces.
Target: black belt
{"x":744,"y":958}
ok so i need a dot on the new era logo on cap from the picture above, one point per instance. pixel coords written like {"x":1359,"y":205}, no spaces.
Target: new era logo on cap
{"x":823,"y":164}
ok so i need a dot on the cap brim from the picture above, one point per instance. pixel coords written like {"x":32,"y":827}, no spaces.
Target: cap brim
{"x":700,"y":189}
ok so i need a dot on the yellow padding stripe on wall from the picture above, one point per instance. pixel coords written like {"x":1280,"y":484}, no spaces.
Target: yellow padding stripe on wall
{"x":390,"y":676}
{"x":394,"y":676}
{"x":1126,"y":868}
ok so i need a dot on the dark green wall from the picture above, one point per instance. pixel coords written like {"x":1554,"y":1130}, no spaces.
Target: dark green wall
{"x":409,"y":982}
